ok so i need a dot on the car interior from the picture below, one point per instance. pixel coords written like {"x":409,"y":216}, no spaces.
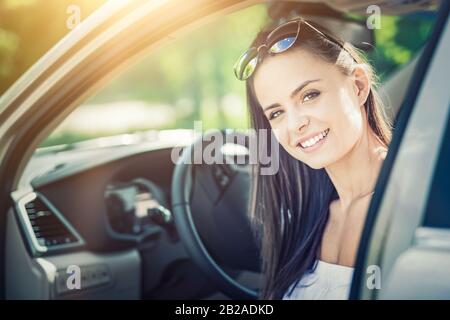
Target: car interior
{"x":111,"y":210}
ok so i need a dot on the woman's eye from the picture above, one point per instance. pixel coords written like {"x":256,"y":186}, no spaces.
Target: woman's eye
{"x":274,"y":114}
{"x":310,"y":95}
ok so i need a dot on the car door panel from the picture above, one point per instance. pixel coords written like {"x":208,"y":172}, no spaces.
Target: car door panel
{"x":403,"y":202}
{"x":422,"y":271}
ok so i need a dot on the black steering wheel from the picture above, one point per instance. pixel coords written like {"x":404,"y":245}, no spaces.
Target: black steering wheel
{"x":210,"y":211}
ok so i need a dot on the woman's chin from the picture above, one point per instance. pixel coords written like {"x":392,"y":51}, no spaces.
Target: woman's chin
{"x":316,"y":162}
{"x":316,"y":165}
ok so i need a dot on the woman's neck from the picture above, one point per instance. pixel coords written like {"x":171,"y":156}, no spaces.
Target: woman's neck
{"x":355,"y":175}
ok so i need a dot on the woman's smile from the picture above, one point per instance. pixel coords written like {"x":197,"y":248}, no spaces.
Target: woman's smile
{"x":313,"y":142}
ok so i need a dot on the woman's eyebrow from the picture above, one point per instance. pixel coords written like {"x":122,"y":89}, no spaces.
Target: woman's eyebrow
{"x":297,"y":90}
{"x":300,"y":87}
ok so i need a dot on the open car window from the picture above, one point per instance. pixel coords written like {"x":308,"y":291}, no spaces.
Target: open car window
{"x":191,"y":78}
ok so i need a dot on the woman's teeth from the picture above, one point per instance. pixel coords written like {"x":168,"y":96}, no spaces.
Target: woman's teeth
{"x":311,"y":142}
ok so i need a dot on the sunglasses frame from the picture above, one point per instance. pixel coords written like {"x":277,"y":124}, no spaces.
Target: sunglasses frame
{"x":239,"y":68}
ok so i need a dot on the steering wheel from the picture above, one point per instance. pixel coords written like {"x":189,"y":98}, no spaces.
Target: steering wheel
{"x":210,"y":211}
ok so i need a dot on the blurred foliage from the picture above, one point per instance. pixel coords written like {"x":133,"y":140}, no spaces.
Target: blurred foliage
{"x":191,"y":75}
{"x":29,"y":28}
{"x":66,"y":137}
{"x":9,"y":43}
{"x":398,"y":40}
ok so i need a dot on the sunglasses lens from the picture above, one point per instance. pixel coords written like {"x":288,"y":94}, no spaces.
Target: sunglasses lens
{"x":249,"y":68}
{"x":282,"y":45}
{"x":246,"y":64}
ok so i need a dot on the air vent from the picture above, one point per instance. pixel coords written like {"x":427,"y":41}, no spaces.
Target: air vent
{"x":47,"y":229}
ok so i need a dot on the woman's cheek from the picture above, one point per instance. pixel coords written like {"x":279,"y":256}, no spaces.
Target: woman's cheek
{"x":277,"y":133}
{"x":282,"y":137}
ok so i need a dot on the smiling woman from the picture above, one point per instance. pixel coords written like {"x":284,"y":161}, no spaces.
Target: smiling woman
{"x":319,"y":97}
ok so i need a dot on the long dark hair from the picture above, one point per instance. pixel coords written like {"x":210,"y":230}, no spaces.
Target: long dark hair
{"x":289,"y":209}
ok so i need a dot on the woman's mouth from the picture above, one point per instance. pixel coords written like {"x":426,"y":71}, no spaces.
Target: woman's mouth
{"x":313,"y":142}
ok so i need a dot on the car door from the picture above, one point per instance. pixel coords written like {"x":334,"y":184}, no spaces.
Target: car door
{"x":405,"y":248}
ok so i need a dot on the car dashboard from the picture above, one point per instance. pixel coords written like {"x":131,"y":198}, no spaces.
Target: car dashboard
{"x":106,"y":213}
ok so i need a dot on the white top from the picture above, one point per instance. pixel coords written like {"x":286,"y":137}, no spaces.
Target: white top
{"x":328,"y":282}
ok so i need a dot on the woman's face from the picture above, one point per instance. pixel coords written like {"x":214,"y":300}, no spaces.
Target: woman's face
{"x":313,"y":107}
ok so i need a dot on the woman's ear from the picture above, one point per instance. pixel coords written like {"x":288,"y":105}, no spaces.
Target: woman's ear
{"x":361,"y":83}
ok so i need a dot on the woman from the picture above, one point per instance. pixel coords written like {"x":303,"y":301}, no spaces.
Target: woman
{"x":318,"y":97}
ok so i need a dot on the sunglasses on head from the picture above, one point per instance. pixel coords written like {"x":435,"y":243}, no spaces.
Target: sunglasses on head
{"x":279,"y":40}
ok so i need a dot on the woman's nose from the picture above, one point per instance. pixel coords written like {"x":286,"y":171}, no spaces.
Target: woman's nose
{"x":297,"y":121}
